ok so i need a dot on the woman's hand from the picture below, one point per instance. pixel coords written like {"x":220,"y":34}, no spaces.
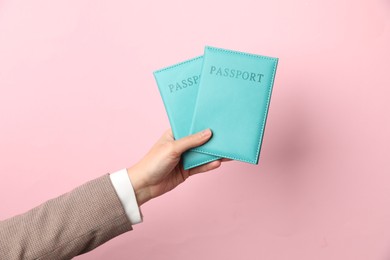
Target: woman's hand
{"x":160,"y":170}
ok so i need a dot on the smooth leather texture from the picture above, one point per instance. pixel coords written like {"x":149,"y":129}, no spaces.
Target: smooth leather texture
{"x":233,"y":105}
{"x":178,"y":86}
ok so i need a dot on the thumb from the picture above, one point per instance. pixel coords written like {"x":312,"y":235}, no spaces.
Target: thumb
{"x":191,"y":141}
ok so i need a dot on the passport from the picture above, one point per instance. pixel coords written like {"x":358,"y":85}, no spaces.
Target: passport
{"x":233,"y":99}
{"x":178,"y":86}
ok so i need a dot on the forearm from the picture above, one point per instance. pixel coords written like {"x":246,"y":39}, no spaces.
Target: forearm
{"x":66,"y":226}
{"x":140,"y":186}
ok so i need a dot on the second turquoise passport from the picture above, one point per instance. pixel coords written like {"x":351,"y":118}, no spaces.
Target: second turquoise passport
{"x":233,"y":99}
{"x":178,"y":86}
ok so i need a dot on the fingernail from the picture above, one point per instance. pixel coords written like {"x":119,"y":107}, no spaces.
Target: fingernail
{"x":206,"y":132}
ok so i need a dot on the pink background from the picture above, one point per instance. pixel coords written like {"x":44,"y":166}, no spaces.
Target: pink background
{"x":78,"y":99}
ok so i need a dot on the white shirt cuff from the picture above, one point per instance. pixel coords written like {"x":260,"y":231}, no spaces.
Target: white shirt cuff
{"x":125,"y":191}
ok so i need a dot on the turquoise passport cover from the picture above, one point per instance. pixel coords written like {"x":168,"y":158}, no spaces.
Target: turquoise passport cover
{"x":233,"y":99}
{"x":178,"y":86}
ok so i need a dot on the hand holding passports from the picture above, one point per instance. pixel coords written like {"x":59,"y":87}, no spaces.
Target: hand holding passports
{"x":226,"y":91}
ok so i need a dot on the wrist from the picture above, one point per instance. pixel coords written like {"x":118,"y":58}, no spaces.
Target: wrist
{"x":141,"y":189}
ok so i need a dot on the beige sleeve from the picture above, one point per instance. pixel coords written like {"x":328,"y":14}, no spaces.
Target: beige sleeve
{"x":69,"y":225}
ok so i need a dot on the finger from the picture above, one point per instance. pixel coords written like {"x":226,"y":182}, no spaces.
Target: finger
{"x":168,"y":134}
{"x":191,"y":141}
{"x":205,"y":167}
{"x":226,"y":159}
